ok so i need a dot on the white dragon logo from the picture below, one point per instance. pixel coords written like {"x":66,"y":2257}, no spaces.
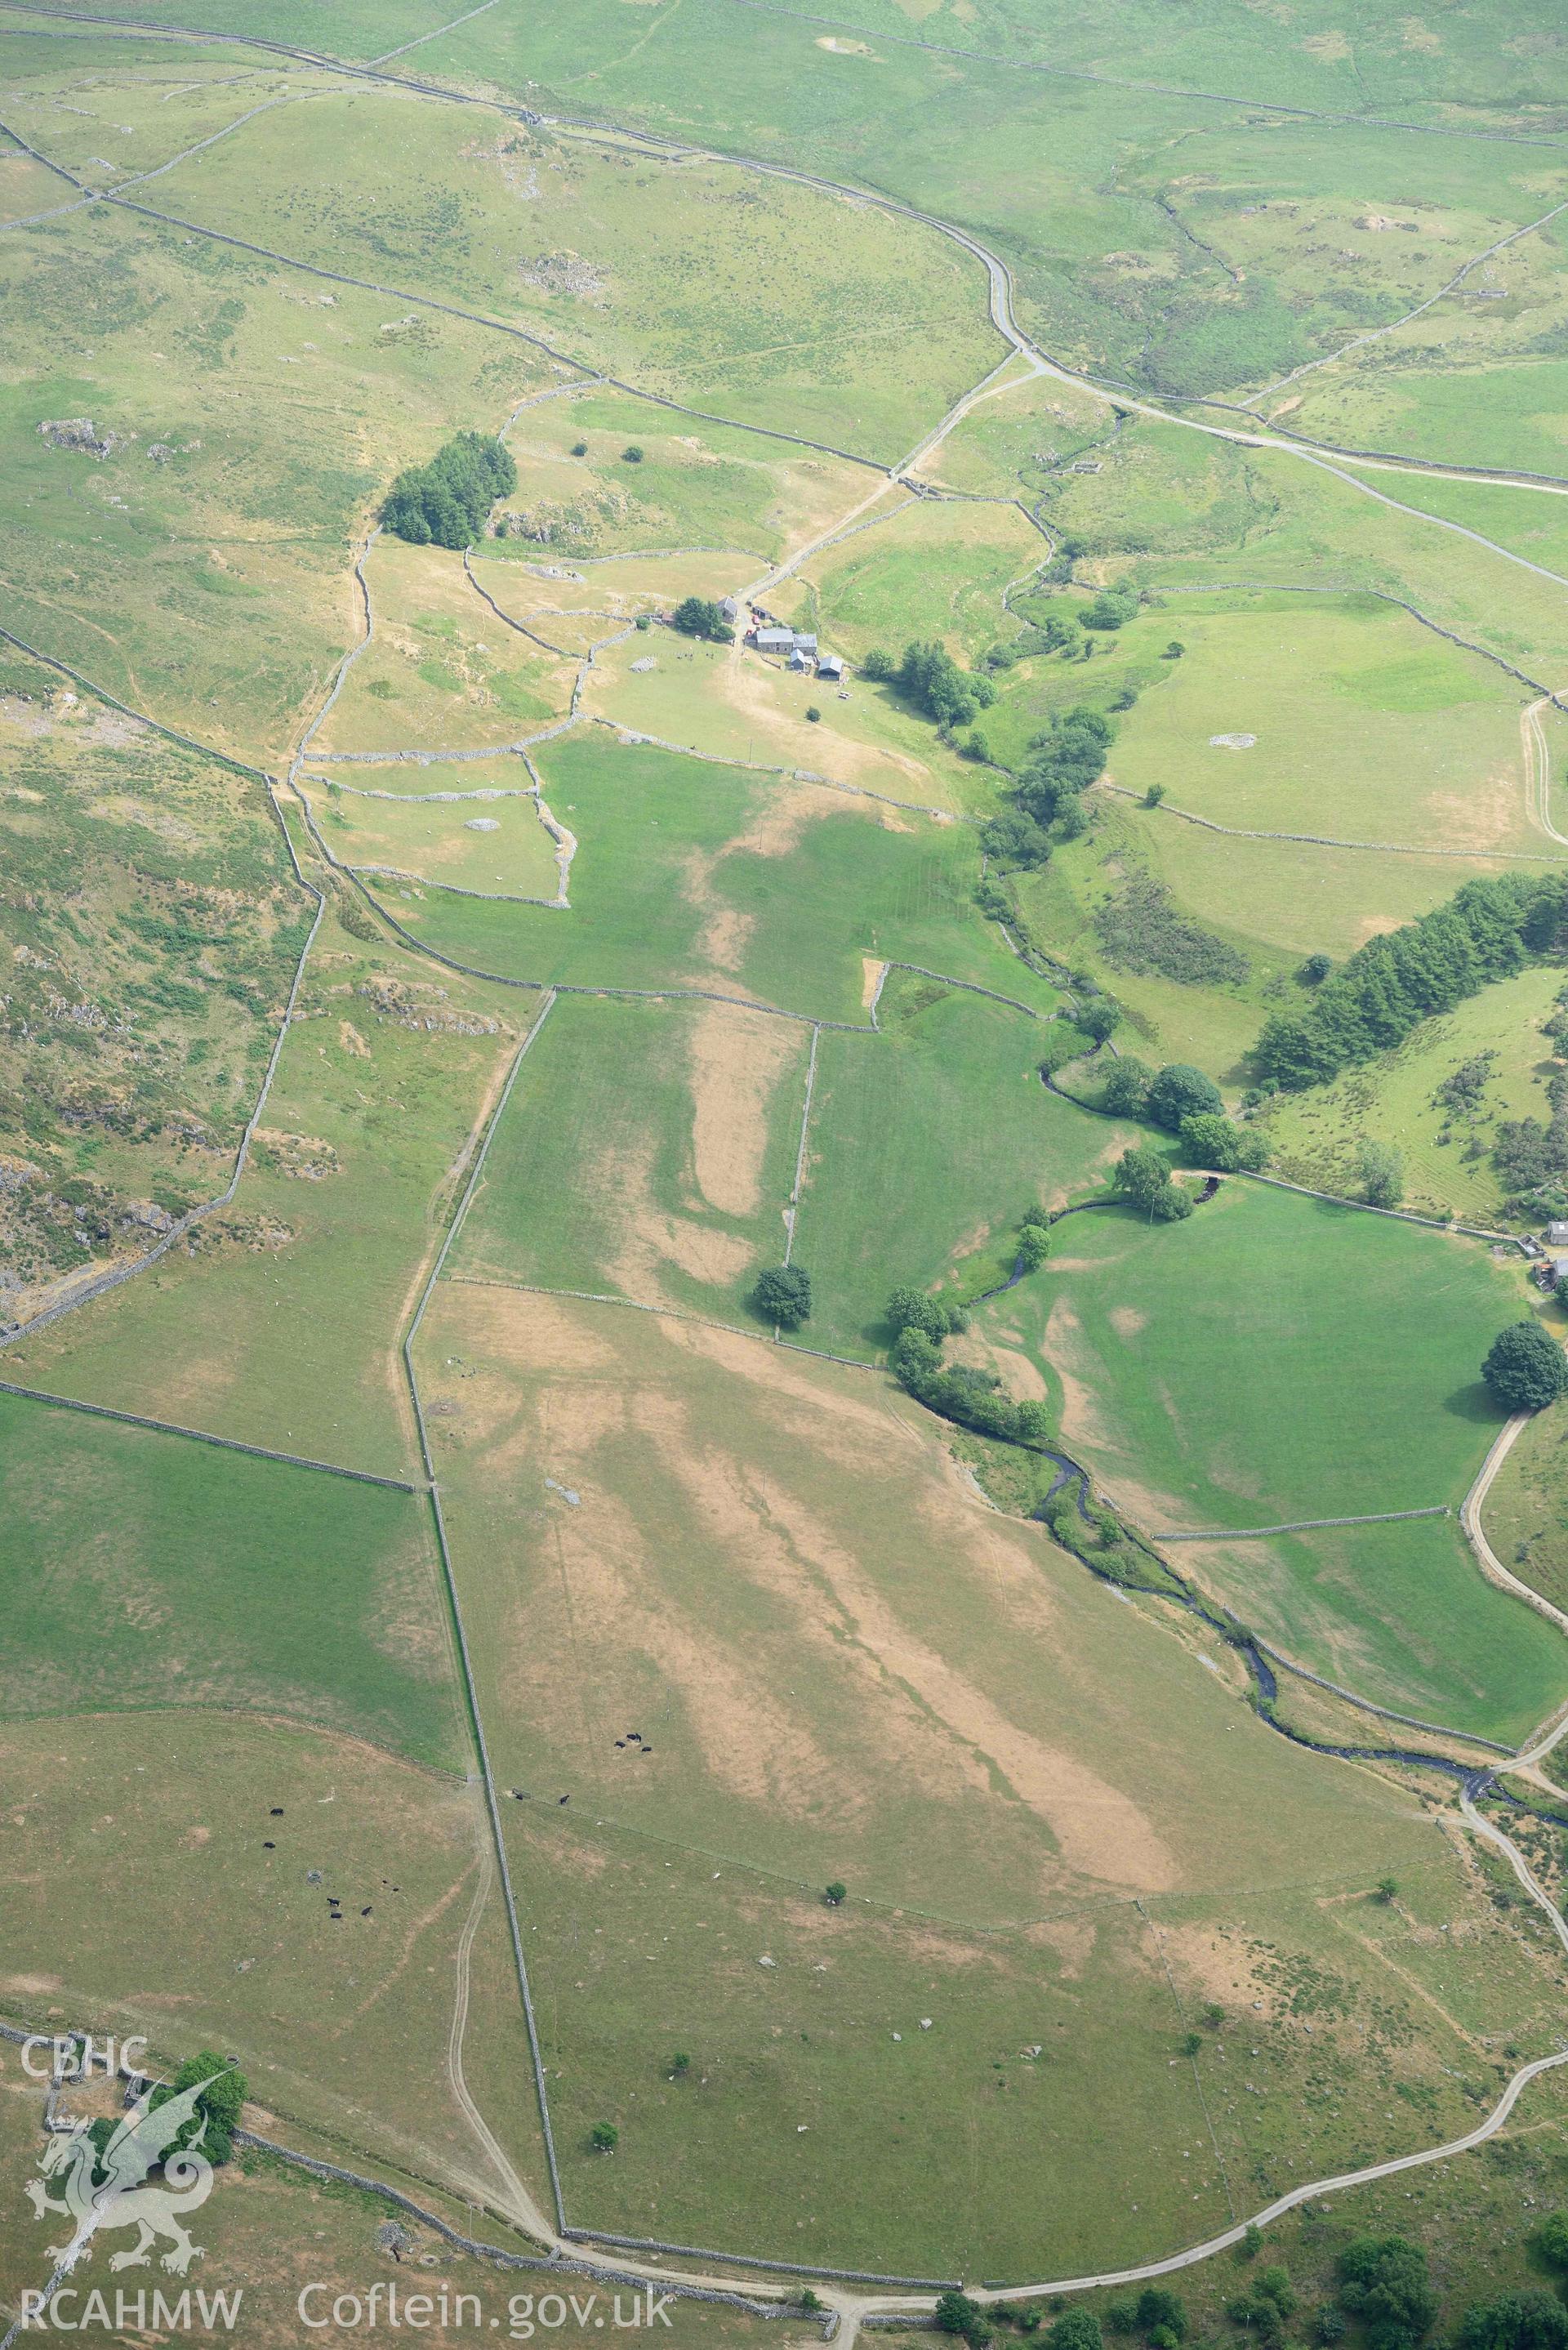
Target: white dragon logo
{"x":121,"y":2198}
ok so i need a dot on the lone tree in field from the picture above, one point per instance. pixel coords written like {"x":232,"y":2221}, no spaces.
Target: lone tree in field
{"x":1525,"y":1370}
{"x":835,"y":1894}
{"x":1382,"y":1175}
{"x":604,"y":2137}
{"x":782,"y":1294}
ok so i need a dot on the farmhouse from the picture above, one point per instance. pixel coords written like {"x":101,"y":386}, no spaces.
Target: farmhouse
{"x":798,"y":646}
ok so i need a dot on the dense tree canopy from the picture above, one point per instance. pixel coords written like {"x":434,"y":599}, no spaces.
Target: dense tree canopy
{"x":929,"y":676}
{"x":1064,"y":760}
{"x":1383,"y":2281}
{"x":782,"y":1294}
{"x":699,"y":616}
{"x":446,"y":503}
{"x":1212,"y":1140}
{"x":217,"y":2113}
{"x":1143,"y":1178}
{"x":1388,"y":986}
{"x":1516,"y":2321}
{"x":1179,"y":1092}
{"x":1126,"y":1085}
{"x":1525,"y":1370}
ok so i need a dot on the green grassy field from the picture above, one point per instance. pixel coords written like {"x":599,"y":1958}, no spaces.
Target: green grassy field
{"x":1276,"y":1359}
{"x":926,"y":1147}
{"x":748,"y":707}
{"x":696,"y":484}
{"x":222,"y":1580}
{"x":1315,"y":1136}
{"x":497,"y":847}
{"x":442,"y":672}
{"x":1526,"y":1520}
{"x":693,"y":281}
{"x":1066,"y":1834}
{"x":690,"y":873}
{"x":648,"y":1150}
{"x":1365,"y":726}
{"x":926,"y":571}
{"x":199,"y":569}
{"x":186,"y":1803}
{"x":844,"y":1667}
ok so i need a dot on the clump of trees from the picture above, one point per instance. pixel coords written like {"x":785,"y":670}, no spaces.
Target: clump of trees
{"x":699,"y":616}
{"x":916,"y":1309}
{"x":446,"y":503}
{"x":1064,"y":760}
{"x":1156,"y":2313}
{"x":1515,"y":2321}
{"x":1112,"y":608}
{"x":927,"y":675}
{"x":1383,"y":2281}
{"x":1212,"y":1140}
{"x":782,"y":1294}
{"x":1144,"y":1181}
{"x":1180,"y":1091}
{"x":956,"y":1391}
{"x":1525,"y":1369}
{"x":1187,"y":1102}
{"x":1488,"y":930}
{"x":212,"y":2126}
{"x":1263,"y":2308}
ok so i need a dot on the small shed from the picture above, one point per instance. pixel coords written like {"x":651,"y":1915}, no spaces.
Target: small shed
{"x":800,"y":658}
{"x":729,"y":608}
{"x":830,"y":666}
{"x":1557,"y":1235}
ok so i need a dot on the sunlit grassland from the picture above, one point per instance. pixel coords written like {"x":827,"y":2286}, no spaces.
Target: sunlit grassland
{"x":927,"y":1146}
{"x":281,"y":1328}
{"x":846,"y":1667}
{"x":225,"y":1580}
{"x":696,"y":281}
{"x":646,"y":1150}
{"x":1276,"y":1359}
{"x":1317,"y":1136}
{"x":200,"y":570}
{"x":186,"y":1802}
{"x":749,"y":707}
{"x":695,"y":484}
{"x":510,"y":853}
{"x":441,"y":670}
{"x":697,"y":875}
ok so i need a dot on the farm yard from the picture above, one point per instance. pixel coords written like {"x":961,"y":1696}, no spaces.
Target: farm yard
{"x":709,"y":728}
